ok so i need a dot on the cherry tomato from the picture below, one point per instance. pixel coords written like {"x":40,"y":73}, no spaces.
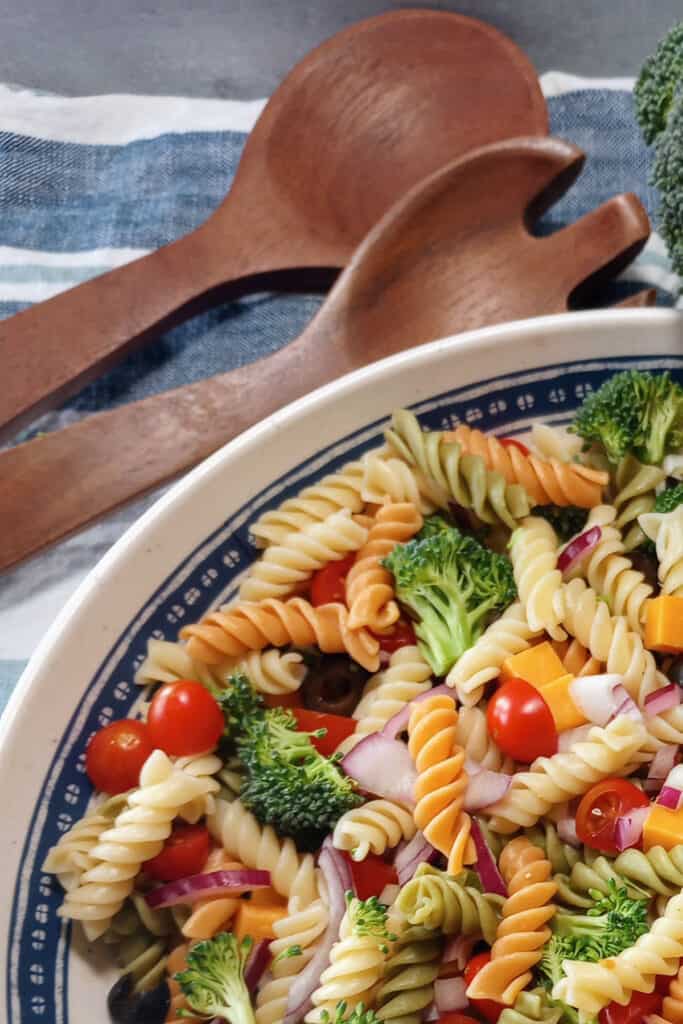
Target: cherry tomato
{"x":512,"y":442}
{"x":641,"y":1004}
{"x":371,"y":875}
{"x":338,"y":728}
{"x":488,"y":1008}
{"x":116,"y":754}
{"x":184,"y":853}
{"x":597,"y":814}
{"x":184,"y":718}
{"x":329,"y":583}
{"x":402,"y":634}
{"x":520,"y":722}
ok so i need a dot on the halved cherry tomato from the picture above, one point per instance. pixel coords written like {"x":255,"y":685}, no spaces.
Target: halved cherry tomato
{"x":184,"y":719}
{"x":116,"y":754}
{"x":512,"y":442}
{"x":488,"y":1008}
{"x":329,"y":583}
{"x":402,"y":634}
{"x":456,"y":1018}
{"x":520,"y":722}
{"x":184,"y":853}
{"x":338,"y":728}
{"x":371,"y":875}
{"x":596,"y":816}
{"x":640,"y":1005}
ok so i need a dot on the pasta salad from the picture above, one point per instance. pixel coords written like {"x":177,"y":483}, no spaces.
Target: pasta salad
{"x":425,"y":766}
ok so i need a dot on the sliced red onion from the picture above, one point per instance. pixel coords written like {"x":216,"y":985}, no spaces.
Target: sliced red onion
{"x":662,"y":763}
{"x":675,"y":777}
{"x":567,"y":739}
{"x":629,"y":828}
{"x":459,"y":950}
{"x":411,"y":855}
{"x":449,"y":994}
{"x":205,"y":886}
{"x":337,"y":875}
{"x":663,"y":700}
{"x":628,"y":707}
{"x":383,"y":767}
{"x":399,"y":723}
{"x":670,"y":798}
{"x":566,"y":830}
{"x":485,"y":788}
{"x":578,"y":549}
{"x":486,"y":867}
{"x":389,"y":894}
{"x":598,"y":697}
{"x":259,"y":958}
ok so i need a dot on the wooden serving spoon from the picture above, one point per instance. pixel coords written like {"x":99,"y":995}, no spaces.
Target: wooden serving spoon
{"x":455,"y":253}
{"x":363,"y":118}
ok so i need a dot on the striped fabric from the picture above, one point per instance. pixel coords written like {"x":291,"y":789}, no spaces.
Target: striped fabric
{"x":87,"y":184}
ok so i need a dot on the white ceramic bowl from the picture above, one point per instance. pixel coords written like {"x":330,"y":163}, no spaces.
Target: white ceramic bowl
{"x":185,"y":554}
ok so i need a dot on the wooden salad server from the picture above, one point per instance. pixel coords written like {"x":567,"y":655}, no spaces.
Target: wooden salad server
{"x":358,"y":122}
{"x":453,"y":254}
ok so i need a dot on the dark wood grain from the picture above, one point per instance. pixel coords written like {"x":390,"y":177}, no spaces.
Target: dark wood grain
{"x":358,"y":122}
{"x":455,"y":253}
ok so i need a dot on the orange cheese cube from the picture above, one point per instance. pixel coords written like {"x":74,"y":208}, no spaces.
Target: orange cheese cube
{"x":538,"y":665}
{"x":664,"y":624}
{"x":663,"y":828}
{"x":257,"y":919}
{"x":563,"y":709}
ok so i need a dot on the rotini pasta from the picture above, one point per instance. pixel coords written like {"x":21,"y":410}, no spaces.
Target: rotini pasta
{"x":576,"y":659}
{"x":140,"y":937}
{"x":472,"y":734}
{"x":441,"y":780}
{"x":666,"y":530}
{"x":533,"y":551}
{"x":375,"y":827}
{"x":531,"y":1007}
{"x":432,"y":899}
{"x":72,"y":856}
{"x":636,"y":485}
{"x":301,"y":929}
{"x":213,"y":914}
{"x":672,"y":1005}
{"x":546,"y":481}
{"x":408,"y":985}
{"x":523,"y":927}
{"x":369,"y":586}
{"x":555,"y":442}
{"x":657,"y":872}
{"x":561,"y":855}
{"x":387,"y":479}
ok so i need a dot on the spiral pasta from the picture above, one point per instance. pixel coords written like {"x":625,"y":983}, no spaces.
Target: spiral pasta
{"x":292,"y":875}
{"x":211,"y":915}
{"x":433,"y":899}
{"x":273,"y":623}
{"x":672,"y":1005}
{"x":553,"y":780}
{"x":168,"y":661}
{"x":636,"y":485}
{"x":376,"y":826}
{"x":369,"y":586}
{"x":72,"y":856}
{"x":508,"y":635}
{"x":590,"y":986}
{"x":441,"y":780}
{"x":391,"y":479}
{"x":531,"y":1006}
{"x":136,"y":835}
{"x":523,"y":927}
{"x":555,"y":442}
{"x":561,"y":855}
{"x":472,"y":734}
{"x":301,"y":929}
{"x":284,"y":566}
{"x":458,"y":476}
{"x":658,"y":872}
{"x":140,"y":937}
{"x":385,"y":694}
{"x":666,"y":530}
{"x":577,"y":660}
{"x":340,"y":490}
{"x":546,"y":481}
{"x":408,"y":985}
{"x":533,"y":551}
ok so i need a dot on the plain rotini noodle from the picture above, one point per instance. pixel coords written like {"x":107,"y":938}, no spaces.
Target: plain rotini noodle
{"x":555,"y":442}
{"x":577,"y":660}
{"x":531,"y":1006}
{"x":273,"y":623}
{"x":508,"y":635}
{"x":533,"y":551}
{"x":369,"y":586}
{"x":458,"y":476}
{"x":137,"y":834}
{"x":666,"y":530}
{"x":293,"y":875}
{"x":441,"y":780}
{"x":376,"y":826}
{"x":168,"y":661}
{"x":436,"y":900}
{"x":71,"y":856}
{"x":385,"y":694}
{"x":613,"y":750}
{"x":303,"y":929}
{"x":391,"y":479}
{"x":285,"y":566}
{"x":590,"y":986}
{"x":202,"y":767}
{"x":523,"y":927}
{"x":546,"y":481}
{"x":636,"y":485}
{"x":340,"y":490}
{"x":408,"y":986}
{"x":472,"y":734}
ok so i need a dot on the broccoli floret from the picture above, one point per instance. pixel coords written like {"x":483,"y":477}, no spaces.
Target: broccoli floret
{"x":566,"y":520}
{"x":287,"y":783}
{"x":452,"y":585}
{"x":432,"y":526}
{"x":359,"y":1015}
{"x":213,"y":981}
{"x":368,"y":918}
{"x":633,"y":412}
{"x":667,"y":176}
{"x":669,"y":499}
{"x":657,"y":83}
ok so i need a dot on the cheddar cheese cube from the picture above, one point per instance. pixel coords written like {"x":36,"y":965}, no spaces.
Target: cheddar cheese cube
{"x":558,"y":698}
{"x":663,"y":828}
{"x":664,"y":624}
{"x":537,"y":665}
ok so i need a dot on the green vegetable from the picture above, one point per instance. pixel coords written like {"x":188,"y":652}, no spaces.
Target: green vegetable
{"x":287,"y":783}
{"x":669,"y":499}
{"x":452,"y":585}
{"x":657,"y":84}
{"x":633,"y":412}
{"x":368,"y":917}
{"x":359,"y":1015}
{"x":566,"y":520}
{"x":213,"y":981}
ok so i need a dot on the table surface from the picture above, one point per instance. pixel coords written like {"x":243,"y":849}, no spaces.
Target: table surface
{"x":242,"y":48}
